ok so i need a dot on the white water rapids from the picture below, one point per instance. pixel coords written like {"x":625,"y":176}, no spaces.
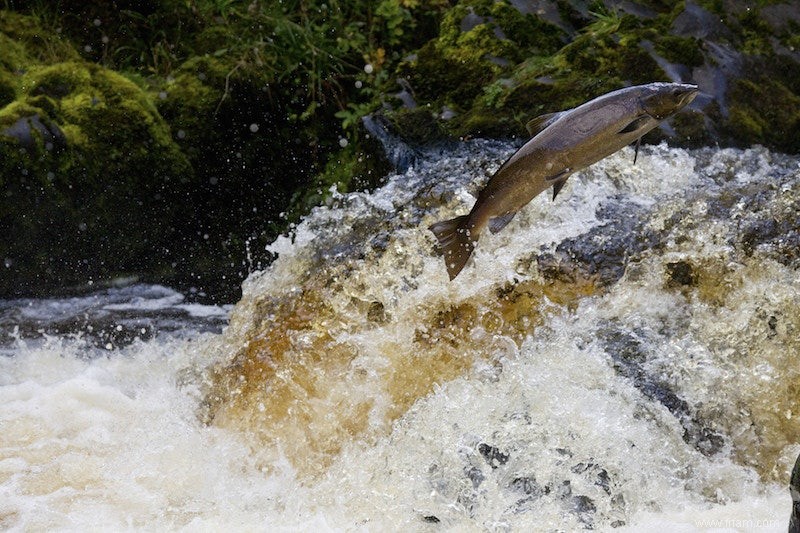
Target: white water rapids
{"x":624,"y":358}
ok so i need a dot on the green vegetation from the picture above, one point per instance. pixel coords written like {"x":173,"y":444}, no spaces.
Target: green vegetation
{"x":765,"y":111}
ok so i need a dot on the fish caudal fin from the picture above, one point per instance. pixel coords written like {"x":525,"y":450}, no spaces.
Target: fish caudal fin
{"x":455,"y":242}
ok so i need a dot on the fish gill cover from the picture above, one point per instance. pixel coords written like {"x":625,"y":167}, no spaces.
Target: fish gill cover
{"x":600,"y":354}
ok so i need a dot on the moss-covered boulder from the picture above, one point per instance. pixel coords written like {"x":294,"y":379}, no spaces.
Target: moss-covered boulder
{"x":479,"y":43}
{"x":88,"y":170}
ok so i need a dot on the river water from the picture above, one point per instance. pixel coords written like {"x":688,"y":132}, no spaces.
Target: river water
{"x":624,"y":358}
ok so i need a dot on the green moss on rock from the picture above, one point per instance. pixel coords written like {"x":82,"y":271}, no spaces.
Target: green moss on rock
{"x":600,"y":59}
{"x":419,"y":125}
{"x":681,"y":50}
{"x":765,"y":111}
{"x":478,"y":41}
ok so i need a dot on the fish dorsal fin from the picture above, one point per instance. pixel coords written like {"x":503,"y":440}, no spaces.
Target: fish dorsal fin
{"x":536,"y":125}
{"x":635,"y":124}
{"x":498,"y":223}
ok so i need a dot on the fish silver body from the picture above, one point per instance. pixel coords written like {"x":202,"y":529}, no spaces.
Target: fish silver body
{"x":562,"y":143}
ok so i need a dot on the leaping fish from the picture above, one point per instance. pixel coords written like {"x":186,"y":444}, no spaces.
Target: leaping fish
{"x":562,"y":143}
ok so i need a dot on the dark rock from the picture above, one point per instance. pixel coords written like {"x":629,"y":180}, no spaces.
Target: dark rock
{"x":431,"y":519}
{"x":547,"y":10}
{"x":494,"y":457}
{"x":584,"y":507}
{"x":781,"y":17}
{"x":630,"y":359}
{"x":603,"y":252}
{"x":376,"y":312}
{"x":680,"y":274}
{"x":584,"y":504}
{"x":695,"y":21}
{"x":400,"y":155}
{"x":475,"y":475}
{"x":26,"y":130}
{"x":714,"y":76}
{"x":406,"y":94}
{"x":527,"y":485}
{"x":675,"y":71}
{"x":633,"y":8}
{"x":603,"y":480}
{"x":564,"y":490}
{"x":772,"y":323}
{"x":471,"y":20}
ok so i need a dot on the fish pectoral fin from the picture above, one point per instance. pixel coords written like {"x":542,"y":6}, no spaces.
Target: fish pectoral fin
{"x":636,"y":153}
{"x":563,"y":175}
{"x":558,"y":185}
{"x":498,"y":223}
{"x":536,"y":125}
{"x":635,"y":124}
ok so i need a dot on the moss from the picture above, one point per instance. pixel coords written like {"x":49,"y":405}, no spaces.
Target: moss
{"x":682,"y":50}
{"x":755,"y":33}
{"x":765,"y":111}
{"x":8,"y":90}
{"x":14,"y":111}
{"x":714,"y":6}
{"x":454,"y":68}
{"x":418,"y":125}
{"x":104,"y":105}
{"x":486,"y":123}
{"x":76,"y":208}
{"x":691,"y":129}
{"x":38,"y":42}
{"x":12,"y":55}
{"x":356,"y":167}
{"x":436,"y":77}
{"x":602,"y":58}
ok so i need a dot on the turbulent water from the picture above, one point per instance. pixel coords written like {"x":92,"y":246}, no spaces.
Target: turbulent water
{"x":623,"y":358}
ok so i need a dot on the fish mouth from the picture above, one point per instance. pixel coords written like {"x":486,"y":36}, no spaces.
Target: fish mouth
{"x":691,"y":93}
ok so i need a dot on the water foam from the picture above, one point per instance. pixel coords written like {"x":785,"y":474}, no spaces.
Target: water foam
{"x":357,"y":389}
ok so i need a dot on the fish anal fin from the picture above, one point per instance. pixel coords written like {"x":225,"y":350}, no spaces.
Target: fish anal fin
{"x":536,"y":125}
{"x":558,"y":185}
{"x":455,"y":242}
{"x":498,"y":223}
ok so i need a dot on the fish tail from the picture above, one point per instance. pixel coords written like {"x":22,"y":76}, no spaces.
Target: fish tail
{"x":455,"y":241}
